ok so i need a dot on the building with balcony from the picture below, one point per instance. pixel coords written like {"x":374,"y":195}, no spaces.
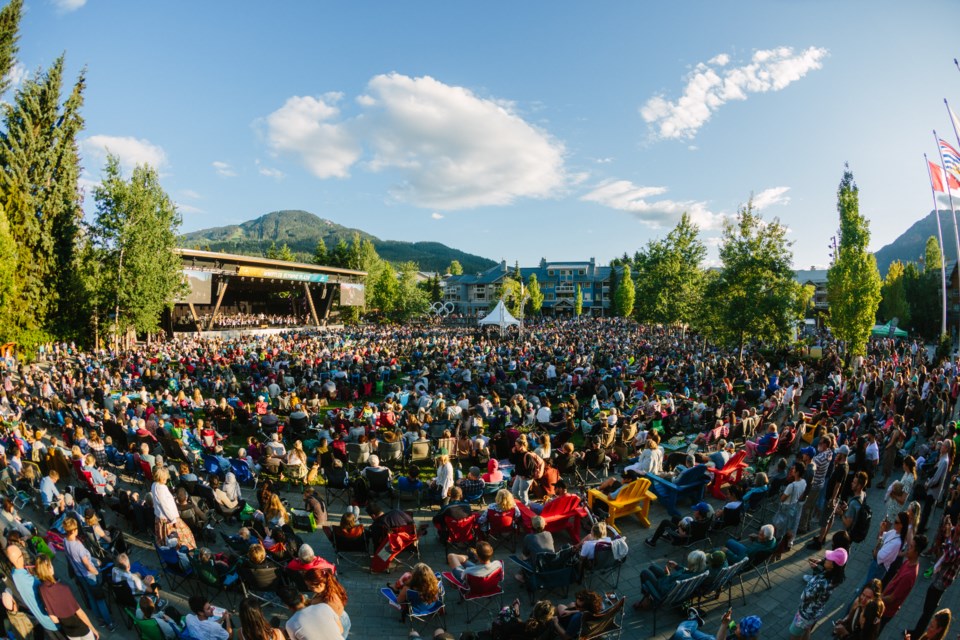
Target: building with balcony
{"x":474,"y":294}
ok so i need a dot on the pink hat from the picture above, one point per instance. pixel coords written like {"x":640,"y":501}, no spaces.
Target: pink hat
{"x":837,"y":557}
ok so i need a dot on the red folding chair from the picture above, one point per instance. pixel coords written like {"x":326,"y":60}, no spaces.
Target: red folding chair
{"x":460,"y":533}
{"x":481,"y":590}
{"x":502,"y":529}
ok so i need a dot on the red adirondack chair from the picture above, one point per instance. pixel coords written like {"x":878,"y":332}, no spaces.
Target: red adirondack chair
{"x":730,"y":473}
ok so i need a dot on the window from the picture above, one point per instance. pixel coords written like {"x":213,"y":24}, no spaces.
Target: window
{"x":550,"y":272}
{"x":582,"y":272}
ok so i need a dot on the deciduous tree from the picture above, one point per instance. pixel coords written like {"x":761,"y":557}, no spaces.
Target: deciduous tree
{"x":893,"y":303}
{"x":754,"y":296}
{"x":534,"y":294}
{"x":625,"y":294}
{"x":455,"y":268}
{"x":669,"y":276}
{"x":134,"y":233}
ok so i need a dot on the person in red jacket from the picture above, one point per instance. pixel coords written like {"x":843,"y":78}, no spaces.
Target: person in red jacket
{"x":306,"y":559}
{"x":897,"y":590}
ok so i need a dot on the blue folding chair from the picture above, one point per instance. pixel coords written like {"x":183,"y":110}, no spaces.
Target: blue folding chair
{"x":414,"y":608}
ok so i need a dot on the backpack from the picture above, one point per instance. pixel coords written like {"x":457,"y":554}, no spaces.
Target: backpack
{"x":861,"y":524}
{"x":536,"y":467}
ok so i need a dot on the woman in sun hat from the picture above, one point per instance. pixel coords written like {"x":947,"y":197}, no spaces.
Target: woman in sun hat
{"x":814,"y":598}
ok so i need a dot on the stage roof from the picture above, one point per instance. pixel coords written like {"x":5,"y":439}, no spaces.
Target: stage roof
{"x":229,"y":263}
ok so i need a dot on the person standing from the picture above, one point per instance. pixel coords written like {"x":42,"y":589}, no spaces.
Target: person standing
{"x":167,"y":515}
{"x":87,"y":569}
{"x":60,"y":604}
{"x":814,"y":598}
{"x":897,"y":590}
{"x":944,"y":573}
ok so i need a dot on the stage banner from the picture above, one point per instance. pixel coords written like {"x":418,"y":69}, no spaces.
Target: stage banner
{"x":280,"y":274}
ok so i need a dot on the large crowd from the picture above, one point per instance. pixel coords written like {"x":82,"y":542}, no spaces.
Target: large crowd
{"x":191,"y":446}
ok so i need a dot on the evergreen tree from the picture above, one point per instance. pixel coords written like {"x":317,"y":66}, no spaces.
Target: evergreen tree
{"x":578,"y":302}
{"x":932,"y":256}
{"x":40,"y":195}
{"x":853,"y":282}
{"x":320,"y":256}
{"x":273,"y":253}
{"x":924,"y":300}
{"x":624,"y":296}
{"x":535,"y":296}
{"x":285,"y":254}
{"x":134,"y":233}
{"x":455,"y":269}
{"x":9,"y":37}
{"x":341,"y":255}
{"x":432,"y":289}
{"x":8,"y":280}
{"x":754,"y":296}
{"x":893,"y":303}
{"x":669,"y":276}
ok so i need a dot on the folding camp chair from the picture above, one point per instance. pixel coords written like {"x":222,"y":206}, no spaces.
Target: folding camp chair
{"x":414,"y":608}
{"x":483,"y":591}
{"x":261,"y":582}
{"x":146,"y":629}
{"x":337,"y":486}
{"x":683,"y":591}
{"x":356,"y":455}
{"x":211,"y":466}
{"x":399,"y":540}
{"x":210,"y":582}
{"x":241,"y":470}
{"x":604,"y":567}
{"x":761,"y":566}
{"x":753,"y":503}
{"x":502,"y":528}
{"x":295,"y":475}
{"x":176,"y":575}
{"x":551,"y":571}
{"x":723,"y":581}
{"x":604,"y":624}
{"x":352,"y":549}
{"x":407,"y":489}
{"x":390,"y":454}
{"x":459,"y":533}
{"x":419,"y":451}
{"x":379,"y":485}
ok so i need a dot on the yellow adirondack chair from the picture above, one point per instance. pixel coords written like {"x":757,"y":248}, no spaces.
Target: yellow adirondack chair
{"x":634,"y":498}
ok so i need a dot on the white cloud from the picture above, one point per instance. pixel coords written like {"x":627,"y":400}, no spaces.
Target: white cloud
{"x":190,"y":194}
{"x":271,"y":172}
{"x":770,"y":197}
{"x":456,"y":150}
{"x":223,"y":169}
{"x":66,"y":6}
{"x":131,"y":151}
{"x":709,"y":87}
{"x":18,"y":73}
{"x":623,"y":195}
{"x":450,"y":148}
{"x":189,"y":209}
{"x":436,"y":216}
{"x":301,"y":128}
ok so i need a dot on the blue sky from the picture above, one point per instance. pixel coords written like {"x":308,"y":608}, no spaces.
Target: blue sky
{"x":517,"y":130}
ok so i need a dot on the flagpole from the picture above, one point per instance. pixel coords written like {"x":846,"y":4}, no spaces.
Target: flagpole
{"x":943,"y":262}
{"x":953,"y":211}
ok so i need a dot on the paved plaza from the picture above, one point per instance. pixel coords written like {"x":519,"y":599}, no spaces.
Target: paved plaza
{"x":373,"y":618}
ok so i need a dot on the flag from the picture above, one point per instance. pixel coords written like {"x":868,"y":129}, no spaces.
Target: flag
{"x":936,"y":174}
{"x":951,"y":158}
{"x":953,"y":116}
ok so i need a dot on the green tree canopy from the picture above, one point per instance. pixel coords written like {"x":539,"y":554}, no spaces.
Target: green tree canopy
{"x":578,"y":302}
{"x":669,"y":276}
{"x":754,"y":296}
{"x":625,"y":294}
{"x":893,"y":303}
{"x":932,"y":256}
{"x":455,"y":268}
{"x":535,"y":296}
{"x":8,"y":280}
{"x":320,"y":256}
{"x":853,"y":282}
{"x":134,"y":234}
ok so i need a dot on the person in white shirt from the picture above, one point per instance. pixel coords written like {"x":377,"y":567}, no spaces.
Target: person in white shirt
{"x":650,"y":461}
{"x":788,"y":518}
{"x":598,"y":533}
{"x":203,"y":624}
{"x":314,"y":622}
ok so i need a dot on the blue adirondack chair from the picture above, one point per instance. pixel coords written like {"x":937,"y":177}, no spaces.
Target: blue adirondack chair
{"x":690,"y":485}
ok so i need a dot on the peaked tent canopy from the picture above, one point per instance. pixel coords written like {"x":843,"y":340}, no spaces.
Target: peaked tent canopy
{"x":499,"y":316}
{"x":884,"y":331}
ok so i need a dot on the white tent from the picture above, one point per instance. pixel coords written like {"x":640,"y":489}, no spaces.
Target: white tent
{"x":499,"y":317}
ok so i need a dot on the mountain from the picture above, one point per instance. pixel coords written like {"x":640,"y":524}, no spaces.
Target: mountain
{"x":301,"y":230}
{"x":912,"y":242}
